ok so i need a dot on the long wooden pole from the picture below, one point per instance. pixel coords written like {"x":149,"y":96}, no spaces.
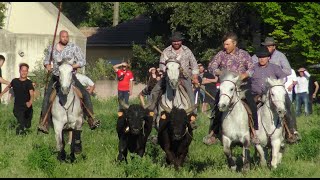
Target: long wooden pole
{"x":54,"y":38}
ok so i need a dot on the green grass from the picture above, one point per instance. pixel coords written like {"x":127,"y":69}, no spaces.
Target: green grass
{"x":34,"y":155}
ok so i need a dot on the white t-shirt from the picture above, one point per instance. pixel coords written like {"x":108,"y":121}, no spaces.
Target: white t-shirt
{"x":289,"y":80}
{"x":302,"y":85}
{"x":84,"y":80}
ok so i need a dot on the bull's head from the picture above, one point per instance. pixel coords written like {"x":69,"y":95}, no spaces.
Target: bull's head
{"x":136,"y":115}
{"x":178,"y":121}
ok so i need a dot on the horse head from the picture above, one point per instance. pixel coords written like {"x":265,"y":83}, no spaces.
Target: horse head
{"x":65,"y":77}
{"x":228,"y":88}
{"x":173,"y":71}
{"x":276,"y":94}
{"x":136,"y":115}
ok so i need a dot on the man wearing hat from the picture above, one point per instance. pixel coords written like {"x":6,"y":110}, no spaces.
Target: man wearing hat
{"x":262,"y":70}
{"x":188,"y":63}
{"x":302,"y":91}
{"x":125,"y":82}
{"x":276,"y":57}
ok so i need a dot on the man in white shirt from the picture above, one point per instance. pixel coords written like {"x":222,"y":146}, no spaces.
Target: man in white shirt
{"x":291,"y":81}
{"x":86,"y":82}
{"x":301,"y":90}
{"x":89,"y":85}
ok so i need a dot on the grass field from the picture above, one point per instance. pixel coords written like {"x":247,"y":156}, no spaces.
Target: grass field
{"x":34,"y":155}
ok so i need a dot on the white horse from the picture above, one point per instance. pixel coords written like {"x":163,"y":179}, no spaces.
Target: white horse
{"x":66,"y":111}
{"x":235,"y":128}
{"x":270,"y":116}
{"x":175,"y":95}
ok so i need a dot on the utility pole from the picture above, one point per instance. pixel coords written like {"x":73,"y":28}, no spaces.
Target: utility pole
{"x":115,"y":13}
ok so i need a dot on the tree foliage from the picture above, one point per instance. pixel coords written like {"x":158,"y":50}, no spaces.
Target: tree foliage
{"x":98,"y":14}
{"x":2,"y":15}
{"x":295,"y":26}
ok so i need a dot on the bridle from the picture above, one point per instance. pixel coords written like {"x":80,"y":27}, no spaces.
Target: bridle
{"x":234,"y":92}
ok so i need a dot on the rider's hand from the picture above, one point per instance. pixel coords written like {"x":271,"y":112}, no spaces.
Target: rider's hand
{"x":48,"y":67}
{"x":28,"y":104}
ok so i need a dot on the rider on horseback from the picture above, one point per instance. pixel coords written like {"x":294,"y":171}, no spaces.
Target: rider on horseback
{"x":235,"y":60}
{"x":182,"y":54}
{"x":64,"y":50}
{"x":262,"y":70}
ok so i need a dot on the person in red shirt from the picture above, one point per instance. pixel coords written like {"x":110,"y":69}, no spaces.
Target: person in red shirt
{"x":125,"y":82}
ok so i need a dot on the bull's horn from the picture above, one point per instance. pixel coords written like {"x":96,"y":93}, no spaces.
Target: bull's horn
{"x":167,"y":109}
{"x":123,"y":104}
{"x":189,"y":110}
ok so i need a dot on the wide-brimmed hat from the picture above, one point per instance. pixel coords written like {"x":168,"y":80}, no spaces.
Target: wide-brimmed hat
{"x":153,"y":68}
{"x":177,"y":36}
{"x":301,"y":69}
{"x":269,"y":41}
{"x":262,"y":52}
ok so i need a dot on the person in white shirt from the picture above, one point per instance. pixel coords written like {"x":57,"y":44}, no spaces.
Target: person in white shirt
{"x":290,"y":82}
{"x":86,"y":82}
{"x":301,"y":90}
{"x":89,"y":85}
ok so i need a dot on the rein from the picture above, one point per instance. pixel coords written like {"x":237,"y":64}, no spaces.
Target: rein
{"x":269,"y":108}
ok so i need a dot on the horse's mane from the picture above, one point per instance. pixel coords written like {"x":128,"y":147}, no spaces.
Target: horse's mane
{"x":227,"y":75}
{"x":274,"y":82}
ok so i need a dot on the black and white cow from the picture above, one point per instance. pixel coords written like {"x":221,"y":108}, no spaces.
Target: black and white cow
{"x":133,"y":127}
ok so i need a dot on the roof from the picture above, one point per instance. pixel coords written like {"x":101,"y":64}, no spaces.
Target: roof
{"x":134,"y":31}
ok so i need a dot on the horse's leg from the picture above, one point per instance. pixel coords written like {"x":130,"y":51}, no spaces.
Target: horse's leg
{"x":246,"y":153}
{"x":228,"y":152}
{"x":60,"y":143}
{"x":263,"y":161}
{"x":72,"y":155}
{"x":276,"y":144}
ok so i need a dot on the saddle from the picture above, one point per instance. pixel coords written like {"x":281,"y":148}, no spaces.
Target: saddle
{"x":250,"y":119}
{"x":54,"y":94}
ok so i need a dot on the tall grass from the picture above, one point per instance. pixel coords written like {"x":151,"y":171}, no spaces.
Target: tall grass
{"x":34,"y":155}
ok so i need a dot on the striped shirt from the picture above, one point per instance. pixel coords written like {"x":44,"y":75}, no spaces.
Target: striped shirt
{"x":186,"y":58}
{"x":239,"y":62}
{"x":71,"y":52}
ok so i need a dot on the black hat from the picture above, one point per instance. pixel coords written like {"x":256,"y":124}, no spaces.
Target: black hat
{"x":269,"y":41}
{"x":262,"y":52}
{"x":177,"y":36}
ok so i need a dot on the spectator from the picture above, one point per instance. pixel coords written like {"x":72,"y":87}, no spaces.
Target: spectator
{"x":201,"y":94}
{"x":125,"y":82}
{"x":301,"y":90}
{"x":24,"y":93}
{"x":2,"y":81}
{"x":154,"y":77}
{"x":290,"y":82}
{"x":209,"y":81}
{"x":89,"y":85}
{"x":313,"y":89}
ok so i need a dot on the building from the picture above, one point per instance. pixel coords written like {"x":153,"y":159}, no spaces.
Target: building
{"x":28,"y":30}
{"x":115,"y":43}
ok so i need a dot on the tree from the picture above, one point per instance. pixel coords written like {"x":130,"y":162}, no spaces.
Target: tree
{"x":2,"y":11}
{"x":296,"y":27}
{"x":98,"y":14}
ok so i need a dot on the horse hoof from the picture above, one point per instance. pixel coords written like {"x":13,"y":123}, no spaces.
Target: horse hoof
{"x":72,"y":157}
{"x":233,"y":168}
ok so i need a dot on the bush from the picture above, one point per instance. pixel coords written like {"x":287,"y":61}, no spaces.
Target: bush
{"x":100,"y":70}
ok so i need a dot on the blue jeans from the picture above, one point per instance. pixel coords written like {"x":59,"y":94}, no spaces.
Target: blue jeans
{"x":302,"y":98}
{"x":123,"y":95}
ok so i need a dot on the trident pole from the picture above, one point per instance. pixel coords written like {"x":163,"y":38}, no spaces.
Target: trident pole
{"x":54,"y":38}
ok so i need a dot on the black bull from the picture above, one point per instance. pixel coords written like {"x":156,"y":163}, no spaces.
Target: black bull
{"x":175,"y":135}
{"x":133,"y":127}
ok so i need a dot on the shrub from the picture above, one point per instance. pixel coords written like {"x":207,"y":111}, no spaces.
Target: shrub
{"x":41,"y":157}
{"x":100,"y":70}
